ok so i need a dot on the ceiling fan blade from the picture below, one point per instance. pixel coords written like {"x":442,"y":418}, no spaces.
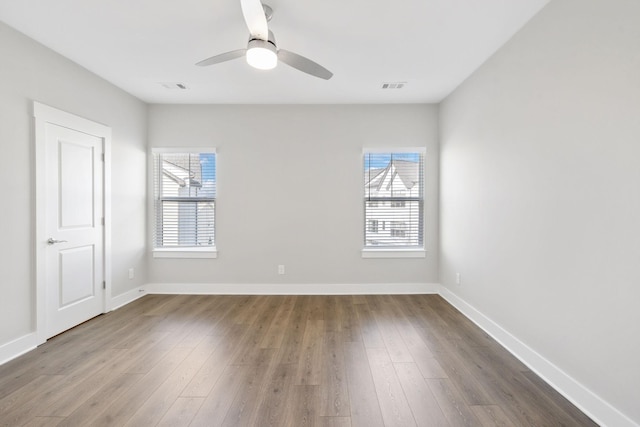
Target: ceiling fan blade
{"x":255,"y":18}
{"x":304,"y":64}
{"x":228,"y":56}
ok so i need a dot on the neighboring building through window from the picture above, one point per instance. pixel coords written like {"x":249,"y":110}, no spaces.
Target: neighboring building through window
{"x":394,"y":199}
{"x":184,"y":199}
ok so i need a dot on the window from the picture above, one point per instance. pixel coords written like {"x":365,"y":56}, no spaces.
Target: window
{"x":394,"y":194}
{"x":184,"y":200}
{"x":398,"y":228}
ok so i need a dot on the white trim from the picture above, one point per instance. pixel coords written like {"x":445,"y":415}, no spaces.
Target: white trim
{"x":44,"y":114}
{"x":121,"y":300}
{"x":106,"y":185}
{"x":584,"y":399}
{"x":394,"y":253}
{"x":292,"y":289}
{"x":18,"y":347}
{"x":183,"y":150}
{"x":185,"y":253}
{"x":387,"y":149}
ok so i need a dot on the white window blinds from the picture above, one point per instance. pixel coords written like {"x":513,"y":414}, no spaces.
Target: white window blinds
{"x":184,"y":196}
{"x":394,"y":199}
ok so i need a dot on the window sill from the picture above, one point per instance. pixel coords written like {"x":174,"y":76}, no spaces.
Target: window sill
{"x":394,"y":253}
{"x":185,"y":253}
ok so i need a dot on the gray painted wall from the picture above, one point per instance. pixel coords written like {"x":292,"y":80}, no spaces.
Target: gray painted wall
{"x":540,"y":199}
{"x":290,"y":190}
{"x":28,"y":72}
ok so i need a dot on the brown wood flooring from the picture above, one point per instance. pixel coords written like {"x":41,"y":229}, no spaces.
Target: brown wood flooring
{"x":178,"y":360}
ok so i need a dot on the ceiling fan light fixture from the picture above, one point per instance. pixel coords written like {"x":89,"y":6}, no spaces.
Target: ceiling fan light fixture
{"x":261,"y":51}
{"x":262,"y":54}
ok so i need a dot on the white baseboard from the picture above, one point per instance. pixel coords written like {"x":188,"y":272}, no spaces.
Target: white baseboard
{"x":18,"y":347}
{"x":588,"y":402}
{"x":127,"y":297}
{"x":291,"y":289}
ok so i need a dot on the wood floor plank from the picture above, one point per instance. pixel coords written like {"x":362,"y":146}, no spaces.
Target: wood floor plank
{"x":335,"y":392}
{"x":275,"y":334}
{"x":67,"y":403}
{"x":291,"y":346}
{"x":182,"y":412}
{"x":75,"y":381}
{"x":18,"y":407}
{"x":243,"y":409}
{"x":310,"y":364}
{"x":422,"y":402}
{"x":252,"y":308}
{"x":358,"y":299}
{"x":553,"y":399}
{"x":404,"y":323}
{"x":349,"y":327}
{"x":513,"y":392}
{"x":330,"y":313}
{"x":274,"y":396}
{"x":491,"y":416}
{"x":391,"y":398}
{"x":316,"y":306}
{"x":368,"y":326}
{"x":207,"y":376}
{"x":248,"y":349}
{"x":44,"y":422}
{"x":304,"y":406}
{"x":92,"y":408}
{"x":334,"y":422}
{"x":464,"y":327}
{"x":365,"y":409}
{"x":125,"y":406}
{"x":467,"y":377}
{"x":153,"y":409}
{"x":278,"y":360}
{"x":216,"y":405}
{"x":427,"y":363}
{"x":452,"y":403}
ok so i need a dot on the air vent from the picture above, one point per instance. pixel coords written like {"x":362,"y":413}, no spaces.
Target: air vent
{"x":393,"y":85}
{"x":173,"y":85}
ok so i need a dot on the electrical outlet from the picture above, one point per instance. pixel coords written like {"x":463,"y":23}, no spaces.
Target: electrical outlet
{"x":131,"y":273}
{"x":281,"y":269}
{"x":457,"y":278}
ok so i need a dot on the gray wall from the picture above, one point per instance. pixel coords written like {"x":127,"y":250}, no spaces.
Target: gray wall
{"x":28,"y":72}
{"x":290,"y":190}
{"x":540,"y":198}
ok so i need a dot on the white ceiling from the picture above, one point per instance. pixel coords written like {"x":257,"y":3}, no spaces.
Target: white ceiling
{"x":432,"y":45}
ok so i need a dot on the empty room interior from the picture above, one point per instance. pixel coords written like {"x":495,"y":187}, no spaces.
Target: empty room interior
{"x":320,"y":213}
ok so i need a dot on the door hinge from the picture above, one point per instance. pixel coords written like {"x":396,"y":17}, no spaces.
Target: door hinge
{"x":104,"y":284}
{"x":102,"y":220}
{"x":102,"y":157}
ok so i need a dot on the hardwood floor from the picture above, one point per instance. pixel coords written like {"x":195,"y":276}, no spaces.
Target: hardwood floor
{"x":177,"y":360}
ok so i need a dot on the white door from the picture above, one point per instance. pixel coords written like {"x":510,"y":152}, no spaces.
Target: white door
{"x":74,"y":223}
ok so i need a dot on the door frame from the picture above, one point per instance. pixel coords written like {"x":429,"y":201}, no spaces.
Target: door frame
{"x":44,"y":114}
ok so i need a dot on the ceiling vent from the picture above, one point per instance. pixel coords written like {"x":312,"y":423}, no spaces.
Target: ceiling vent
{"x":393,"y":85}
{"x":173,"y":85}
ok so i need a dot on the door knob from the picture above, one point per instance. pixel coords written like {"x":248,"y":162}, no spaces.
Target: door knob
{"x":53,"y":241}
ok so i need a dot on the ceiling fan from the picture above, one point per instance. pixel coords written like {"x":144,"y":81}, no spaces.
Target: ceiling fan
{"x":261,"y":51}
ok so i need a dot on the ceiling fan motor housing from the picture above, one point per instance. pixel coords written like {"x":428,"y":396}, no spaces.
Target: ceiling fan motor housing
{"x":262,"y":54}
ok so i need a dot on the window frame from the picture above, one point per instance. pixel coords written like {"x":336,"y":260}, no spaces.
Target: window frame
{"x":178,"y":251}
{"x":417,"y":251}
